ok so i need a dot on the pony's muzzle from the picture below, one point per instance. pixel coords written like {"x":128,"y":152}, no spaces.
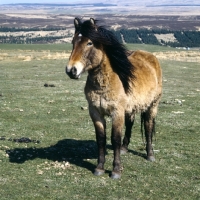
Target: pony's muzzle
{"x":72,"y":73}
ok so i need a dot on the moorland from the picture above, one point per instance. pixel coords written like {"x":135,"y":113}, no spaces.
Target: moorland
{"x":47,"y":140}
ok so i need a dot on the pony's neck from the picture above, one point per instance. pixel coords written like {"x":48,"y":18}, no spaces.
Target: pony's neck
{"x":101,"y":75}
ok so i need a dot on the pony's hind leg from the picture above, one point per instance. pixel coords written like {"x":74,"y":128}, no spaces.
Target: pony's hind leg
{"x":148,"y":118}
{"x":129,"y":121}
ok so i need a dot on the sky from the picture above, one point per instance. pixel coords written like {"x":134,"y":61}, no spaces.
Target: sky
{"x":36,"y":1}
{"x":93,"y":1}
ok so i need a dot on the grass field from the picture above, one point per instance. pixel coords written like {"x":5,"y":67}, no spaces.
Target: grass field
{"x":47,"y":140}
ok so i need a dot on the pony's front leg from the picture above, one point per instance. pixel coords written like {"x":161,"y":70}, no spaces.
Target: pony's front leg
{"x":116,"y":143}
{"x":100,"y":129}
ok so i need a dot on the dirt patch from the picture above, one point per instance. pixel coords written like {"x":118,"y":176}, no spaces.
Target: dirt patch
{"x":166,"y":37}
{"x":66,"y":34}
{"x":116,"y":21}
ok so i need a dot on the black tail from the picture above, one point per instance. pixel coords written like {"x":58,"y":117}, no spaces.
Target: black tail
{"x":142,"y":128}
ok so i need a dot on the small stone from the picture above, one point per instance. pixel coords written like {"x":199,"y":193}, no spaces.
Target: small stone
{"x":59,"y":174}
{"x":40,"y":172}
{"x":83,"y":108}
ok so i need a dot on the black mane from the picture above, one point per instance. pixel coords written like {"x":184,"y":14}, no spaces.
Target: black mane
{"x":116,"y":52}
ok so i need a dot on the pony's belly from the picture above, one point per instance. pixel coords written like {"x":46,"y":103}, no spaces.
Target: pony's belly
{"x":140,"y":103}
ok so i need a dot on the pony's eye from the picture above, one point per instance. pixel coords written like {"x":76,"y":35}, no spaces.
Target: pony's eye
{"x":89,"y":44}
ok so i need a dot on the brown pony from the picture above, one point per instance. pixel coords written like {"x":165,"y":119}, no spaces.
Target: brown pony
{"x":119,"y":84}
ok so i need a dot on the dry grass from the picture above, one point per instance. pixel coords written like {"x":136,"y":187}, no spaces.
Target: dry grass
{"x":13,"y":53}
{"x":185,"y":56}
{"x":32,"y":55}
{"x":29,"y":55}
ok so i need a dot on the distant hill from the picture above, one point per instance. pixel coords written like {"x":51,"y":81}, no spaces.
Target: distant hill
{"x":137,"y":21}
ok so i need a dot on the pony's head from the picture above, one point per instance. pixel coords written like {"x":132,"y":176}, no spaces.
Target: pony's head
{"x":86,"y":53}
{"x":90,"y":43}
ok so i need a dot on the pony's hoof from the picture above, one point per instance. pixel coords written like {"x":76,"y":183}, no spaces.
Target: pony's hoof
{"x":99,"y":172}
{"x":151,"y":158}
{"x":115,"y":175}
{"x":123,"y":151}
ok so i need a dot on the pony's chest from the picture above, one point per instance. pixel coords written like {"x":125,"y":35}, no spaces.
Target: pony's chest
{"x":102,"y":102}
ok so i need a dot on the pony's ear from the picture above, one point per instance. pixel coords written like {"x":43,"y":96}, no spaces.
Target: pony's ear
{"x":77,"y":23}
{"x":92,"y":21}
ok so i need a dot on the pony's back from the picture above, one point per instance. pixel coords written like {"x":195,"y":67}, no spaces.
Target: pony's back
{"x":147,"y":85}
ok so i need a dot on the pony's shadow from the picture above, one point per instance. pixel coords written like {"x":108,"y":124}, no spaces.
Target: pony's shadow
{"x":70,"y":150}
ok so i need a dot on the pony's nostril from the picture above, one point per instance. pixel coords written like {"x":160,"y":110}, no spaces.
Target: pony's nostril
{"x":74,"y":71}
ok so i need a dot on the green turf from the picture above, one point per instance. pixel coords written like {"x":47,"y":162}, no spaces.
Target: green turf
{"x":59,"y":162}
